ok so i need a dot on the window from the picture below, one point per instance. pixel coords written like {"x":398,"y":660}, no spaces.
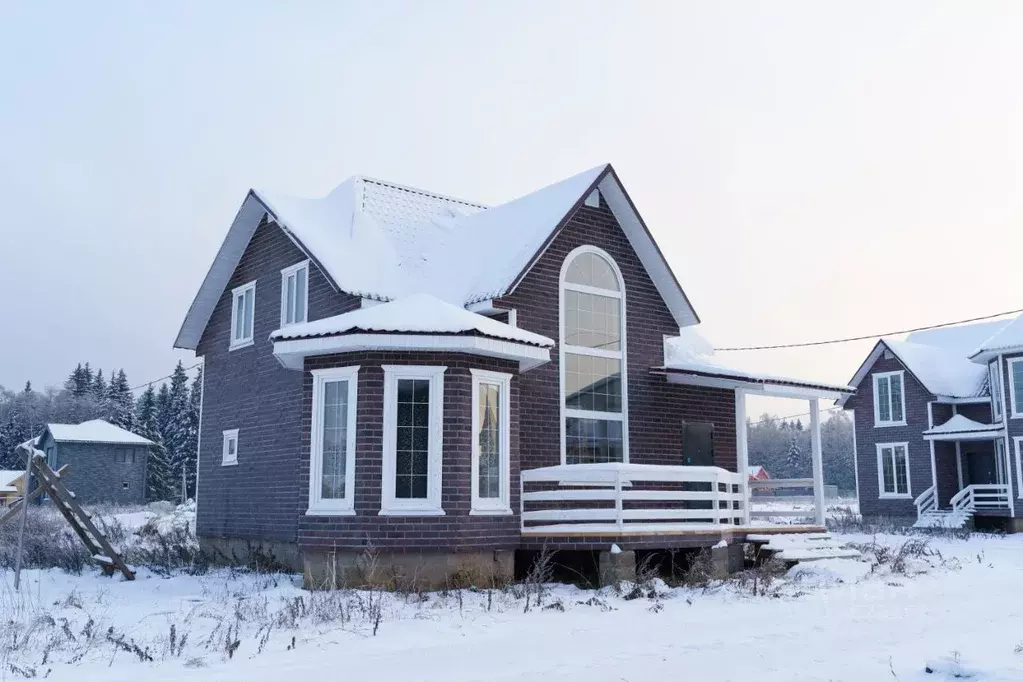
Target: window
{"x":124,"y":455}
{"x":889,"y":399}
{"x":230,"y":454}
{"x":994,"y":375}
{"x":1000,"y":461}
{"x":593,"y":371}
{"x":893,"y":469}
{"x":1018,"y":442}
{"x":242,"y":313}
{"x":124,"y":485}
{"x":51,"y":458}
{"x":491,"y":416}
{"x":413,"y":422}
{"x":1016,"y":387}
{"x":294,"y":293}
{"x":332,"y":467}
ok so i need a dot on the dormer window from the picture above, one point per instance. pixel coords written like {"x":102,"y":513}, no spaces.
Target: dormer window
{"x":295,"y":294}
{"x":889,"y":399}
{"x":242,"y":315}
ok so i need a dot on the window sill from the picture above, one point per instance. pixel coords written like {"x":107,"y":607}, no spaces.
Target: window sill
{"x":884,"y":425}
{"x":412,"y":512}
{"x":229,"y":464}
{"x":491,"y":512}
{"x":893,"y":496}
{"x":330,"y":512}
{"x":241,"y":344}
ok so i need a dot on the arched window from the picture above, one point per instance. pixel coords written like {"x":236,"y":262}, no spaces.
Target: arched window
{"x":594,"y":427}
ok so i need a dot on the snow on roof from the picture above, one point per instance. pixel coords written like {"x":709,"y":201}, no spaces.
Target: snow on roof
{"x":7,"y":479}
{"x":418,"y":313}
{"x":1008,"y":336}
{"x":94,"y":431}
{"x":690,"y":352}
{"x":962,"y":339}
{"x":755,"y":470}
{"x":960,"y":424}
{"x":942,"y":372}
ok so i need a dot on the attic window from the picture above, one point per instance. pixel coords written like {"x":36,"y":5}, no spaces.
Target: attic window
{"x":294,"y":293}
{"x":242,"y":313}
{"x":593,"y":199}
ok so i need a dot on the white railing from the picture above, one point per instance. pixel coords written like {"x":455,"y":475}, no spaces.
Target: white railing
{"x":981,"y":496}
{"x":782,"y":506}
{"x":629,"y":498}
{"x":926,"y":501}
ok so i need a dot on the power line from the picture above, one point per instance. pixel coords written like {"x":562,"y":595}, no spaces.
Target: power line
{"x":801,"y":414}
{"x":868,"y":336}
{"x":153,"y":381}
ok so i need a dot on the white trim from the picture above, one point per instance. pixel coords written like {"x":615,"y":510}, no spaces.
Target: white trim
{"x":881,"y":494}
{"x":292,"y":352}
{"x":287,"y":272}
{"x":340,"y":506}
{"x":502,"y":504}
{"x":1005,"y":443}
{"x":997,"y":399}
{"x":621,"y":355}
{"x":1019,"y":465}
{"x":431,"y":505}
{"x":875,"y":378}
{"x":1016,"y":413}
{"x":856,"y":456}
{"x":934,"y":463}
{"x":249,"y":338}
{"x":227,"y":459}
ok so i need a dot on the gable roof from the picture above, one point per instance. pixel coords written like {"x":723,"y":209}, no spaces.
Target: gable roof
{"x":416,"y":314}
{"x":8,"y":478}
{"x":1007,"y":337}
{"x":383,"y":241}
{"x":93,"y":431}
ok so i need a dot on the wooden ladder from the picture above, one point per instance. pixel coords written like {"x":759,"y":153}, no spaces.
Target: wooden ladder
{"x":63,"y":500}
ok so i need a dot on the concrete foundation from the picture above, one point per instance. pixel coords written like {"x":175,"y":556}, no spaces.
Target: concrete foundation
{"x":241,"y":551}
{"x":727,"y":560}
{"x":616,"y":566}
{"x":407,"y":570}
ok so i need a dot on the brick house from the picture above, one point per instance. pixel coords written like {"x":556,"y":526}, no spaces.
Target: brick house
{"x":444,"y":384}
{"x":107,"y":463}
{"x":937,"y":431}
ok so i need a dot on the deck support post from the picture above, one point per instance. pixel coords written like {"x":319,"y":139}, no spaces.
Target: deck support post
{"x":742,"y":454}
{"x":818,"y":461}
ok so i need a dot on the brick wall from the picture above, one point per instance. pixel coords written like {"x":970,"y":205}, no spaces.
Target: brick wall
{"x":456,"y":530}
{"x":248,"y":390}
{"x":868,"y":436}
{"x":657,"y":409}
{"x":96,"y":476}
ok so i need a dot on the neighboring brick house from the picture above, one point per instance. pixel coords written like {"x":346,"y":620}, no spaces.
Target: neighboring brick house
{"x":937,"y":432}
{"x":107,"y":463}
{"x":387,"y":369}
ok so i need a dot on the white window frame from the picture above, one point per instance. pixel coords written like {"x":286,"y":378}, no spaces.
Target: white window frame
{"x":1016,"y":413}
{"x":500,"y":505}
{"x":996,"y":387}
{"x":339,"y":506}
{"x":249,"y":338}
{"x":297,"y":270}
{"x":431,"y":505}
{"x":881,"y":494}
{"x":1017,"y":441}
{"x":226,"y":459}
{"x":877,"y":377}
{"x":563,"y":348}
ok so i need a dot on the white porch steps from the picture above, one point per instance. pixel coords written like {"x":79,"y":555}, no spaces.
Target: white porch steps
{"x":802,"y":546}
{"x":944,"y":518}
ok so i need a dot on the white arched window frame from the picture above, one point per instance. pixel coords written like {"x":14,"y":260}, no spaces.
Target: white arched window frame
{"x":620,"y":417}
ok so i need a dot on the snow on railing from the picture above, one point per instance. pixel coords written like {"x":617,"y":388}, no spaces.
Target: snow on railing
{"x":926,"y":501}
{"x":629,"y":498}
{"x":981,"y":496}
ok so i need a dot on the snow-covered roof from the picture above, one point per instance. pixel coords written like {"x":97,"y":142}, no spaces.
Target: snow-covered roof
{"x":1006,"y":338}
{"x":942,"y":372}
{"x":416,"y":314}
{"x":689,"y":353}
{"x":963,"y":428}
{"x":755,"y":470}
{"x":383,"y":241}
{"x":95,"y":431}
{"x":962,"y":339}
{"x":7,"y":479}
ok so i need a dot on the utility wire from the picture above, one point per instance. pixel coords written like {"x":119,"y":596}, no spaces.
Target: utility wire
{"x":153,"y":381}
{"x":868,"y":336}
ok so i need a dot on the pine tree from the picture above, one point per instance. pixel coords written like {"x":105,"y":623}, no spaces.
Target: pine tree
{"x":78,"y":383}
{"x":794,"y":459}
{"x":99,"y":386}
{"x":158,"y":474}
{"x":121,"y":401}
{"x":163,"y":410}
{"x":28,"y":388}
{"x":86,"y":379}
{"x":178,"y":430}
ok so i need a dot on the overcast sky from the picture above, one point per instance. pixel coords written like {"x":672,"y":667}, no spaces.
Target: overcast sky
{"x":810,"y":169}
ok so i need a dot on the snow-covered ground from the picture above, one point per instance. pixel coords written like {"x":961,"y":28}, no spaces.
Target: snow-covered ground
{"x":956,"y":610}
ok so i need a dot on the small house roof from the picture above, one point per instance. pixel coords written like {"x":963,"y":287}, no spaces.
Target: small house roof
{"x":7,"y":479}
{"x":95,"y":431}
{"x":960,"y":427}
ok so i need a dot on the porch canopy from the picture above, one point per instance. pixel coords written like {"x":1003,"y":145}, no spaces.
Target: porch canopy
{"x":690,"y":360}
{"x":960,"y":428}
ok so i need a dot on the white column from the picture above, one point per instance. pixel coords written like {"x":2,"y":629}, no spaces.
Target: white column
{"x":742,"y":450}
{"x":818,"y":460}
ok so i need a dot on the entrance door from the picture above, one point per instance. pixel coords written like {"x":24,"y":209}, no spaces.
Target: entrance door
{"x":981,"y":468}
